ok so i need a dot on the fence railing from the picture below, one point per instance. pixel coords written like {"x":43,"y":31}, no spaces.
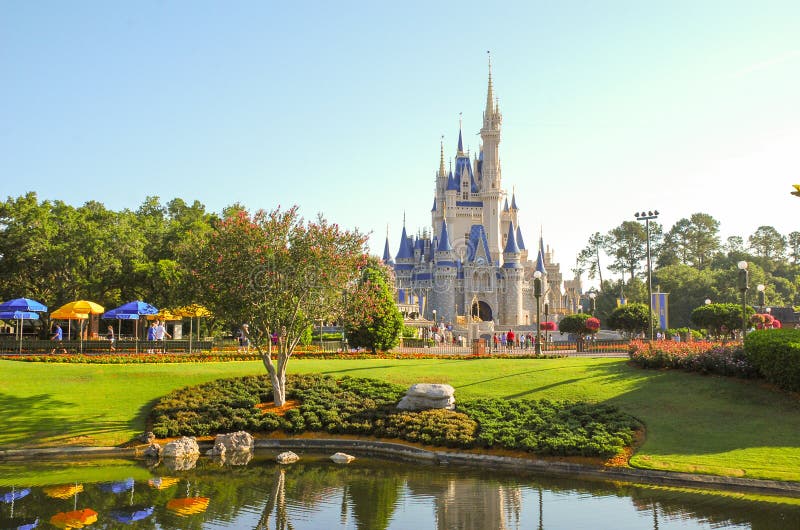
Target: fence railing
{"x":35,"y":346}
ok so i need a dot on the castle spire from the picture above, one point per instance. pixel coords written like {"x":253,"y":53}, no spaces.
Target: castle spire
{"x":514,"y":199}
{"x":490,"y":93}
{"x":441,"y":157}
{"x":511,"y":241}
{"x":387,"y":257}
{"x":460,"y":141}
{"x":444,"y":239}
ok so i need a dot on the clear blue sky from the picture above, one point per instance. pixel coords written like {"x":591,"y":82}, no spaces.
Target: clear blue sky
{"x":609,"y":107}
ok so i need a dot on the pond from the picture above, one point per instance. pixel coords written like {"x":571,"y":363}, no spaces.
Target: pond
{"x":369,"y":493}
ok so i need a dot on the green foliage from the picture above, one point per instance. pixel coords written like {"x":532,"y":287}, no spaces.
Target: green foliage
{"x":372,"y":318}
{"x":720,"y":319}
{"x":575,"y":324}
{"x":367,"y":407}
{"x":684,"y":333}
{"x":631,"y":318}
{"x":551,"y":427}
{"x":776,"y":355}
{"x":409,"y":332}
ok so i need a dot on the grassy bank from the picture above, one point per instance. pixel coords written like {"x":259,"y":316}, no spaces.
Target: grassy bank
{"x":694,"y":423}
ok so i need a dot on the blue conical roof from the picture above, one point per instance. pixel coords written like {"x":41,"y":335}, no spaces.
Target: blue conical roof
{"x":405,"y":251}
{"x":460,"y":142}
{"x":452,"y":182}
{"x":514,"y":202}
{"x":511,"y":241}
{"x":520,"y":241}
{"x":434,"y":206}
{"x":387,"y":257}
{"x":444,"y":239}
{"x":540,"y":261}
{"x":505,"y":207}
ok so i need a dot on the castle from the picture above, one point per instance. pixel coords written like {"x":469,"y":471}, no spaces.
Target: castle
{"x":474,"y":261}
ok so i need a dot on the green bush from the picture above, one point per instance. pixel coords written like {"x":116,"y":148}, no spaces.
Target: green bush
{"x":369,"y":407}
{"x":775,"y":353}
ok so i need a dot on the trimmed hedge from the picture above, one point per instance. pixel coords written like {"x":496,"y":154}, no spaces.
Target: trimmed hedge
{"x":367,"y":407}
{"x":776,"y":355}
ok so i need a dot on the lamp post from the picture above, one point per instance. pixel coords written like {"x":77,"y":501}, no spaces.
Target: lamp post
{"x":743,"y":278}
{"x":537,"y":292}
{"x":592,"y":297}
{"x":708,"y":301}
{"x":546,"y":319}
{"x":646,"y":217}
{"x":761,"y":296}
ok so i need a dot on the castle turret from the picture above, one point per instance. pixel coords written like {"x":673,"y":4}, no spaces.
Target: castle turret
{"x":490,"y":168}
{"x":445,"y":272}
{"x":513,"y":276}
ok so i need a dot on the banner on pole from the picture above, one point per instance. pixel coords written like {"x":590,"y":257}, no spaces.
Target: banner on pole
{"x":661,"y":309}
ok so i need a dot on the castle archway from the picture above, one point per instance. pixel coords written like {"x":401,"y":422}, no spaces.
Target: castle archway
{"x":482,"y":310}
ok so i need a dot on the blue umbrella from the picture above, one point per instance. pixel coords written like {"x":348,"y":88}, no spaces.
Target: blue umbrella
{"x":19,"y":315}
{"x":117,"y":487}
{"x":132,"y":310}
{"x":23,"y":304}
{"x":132,"y":514}
{"x":14,"y":495}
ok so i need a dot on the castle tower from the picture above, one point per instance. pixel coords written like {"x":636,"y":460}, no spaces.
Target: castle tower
{"x":490,"y":183}
{"x":514,"y":276}
{"x":444,"y":277}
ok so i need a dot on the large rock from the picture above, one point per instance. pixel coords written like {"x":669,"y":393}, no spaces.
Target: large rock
{"x":152,"y":451}
{"x":342,"y":458}
{"x":186,"y":446}
{"x":218,"y":450}
{"x":235,"y":442}
{"x":423,"y":396}
{"x":287,"y":457}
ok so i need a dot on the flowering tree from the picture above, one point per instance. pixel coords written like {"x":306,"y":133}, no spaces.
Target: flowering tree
{"x":371,"y":317}
{"x":279,"y":274}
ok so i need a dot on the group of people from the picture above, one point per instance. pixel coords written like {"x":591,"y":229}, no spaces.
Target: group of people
{"x":157,"y":332}
{"x":509,"y":340}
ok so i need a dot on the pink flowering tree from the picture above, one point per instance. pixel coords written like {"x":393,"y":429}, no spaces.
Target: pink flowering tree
{"x":279,"y":274}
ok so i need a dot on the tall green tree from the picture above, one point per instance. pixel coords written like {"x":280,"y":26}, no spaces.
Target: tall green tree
{"x":767,"y":243}
{"x":631,"y":318}
{"x":627,"y":246}
{"x":793,"y":246}
{"x":693,"y":241}
{"x":371,"y":318}
{"x":278,"y":273}
{"x":589,"y":257}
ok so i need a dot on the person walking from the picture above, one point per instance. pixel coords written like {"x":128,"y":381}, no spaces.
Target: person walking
{"x":58,"y":336}
{"x":244,"y":340}
{"x":161,"y":332}
{"x":510,"y":338}
{"x":110,"y":337}
{"x":151,"y":336}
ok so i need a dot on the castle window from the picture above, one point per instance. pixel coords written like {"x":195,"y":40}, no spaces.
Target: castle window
{"x":465,"y":195}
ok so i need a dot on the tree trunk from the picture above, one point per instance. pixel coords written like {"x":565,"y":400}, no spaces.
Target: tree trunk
{"x":277,"y":374}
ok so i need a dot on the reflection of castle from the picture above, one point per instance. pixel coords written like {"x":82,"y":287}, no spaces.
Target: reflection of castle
{"x":472,"y":504}
{"x":476,"y":250}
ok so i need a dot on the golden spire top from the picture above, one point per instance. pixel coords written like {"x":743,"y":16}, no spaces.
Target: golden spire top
{"x":441,"y":157}
{"x":490,"y":92}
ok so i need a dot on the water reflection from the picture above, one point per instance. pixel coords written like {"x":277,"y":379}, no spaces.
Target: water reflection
{"x":367,"y":494}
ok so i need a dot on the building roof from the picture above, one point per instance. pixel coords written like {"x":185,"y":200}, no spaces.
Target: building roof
{"x":478,"y":240}
{"x":520,"y":241}
{"x":387,"y":257}
{"x":511,"y":241}
{"x":444,"y":239}
{"x":405,"y":251}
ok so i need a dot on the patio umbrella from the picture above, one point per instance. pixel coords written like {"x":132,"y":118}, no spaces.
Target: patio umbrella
{"x":80,"y":307}
{"x":164,"y":314}
{"x":132,"y":514}
{"x":74,"y":519}
{"x":70,"y":315}
{"x":19,"y":316}
{"x":193,"y":311}
{"x":188,"y":505}
{"x":132,"y":311}
{"x":23,"y":304}
{"x":162,"y":483}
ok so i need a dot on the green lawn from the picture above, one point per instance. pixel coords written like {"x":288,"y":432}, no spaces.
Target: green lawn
{"x":694,"y":423}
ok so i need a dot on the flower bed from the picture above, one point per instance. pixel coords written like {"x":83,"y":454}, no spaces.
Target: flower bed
{"x":698,"y":356}
{"x":368,"y":407}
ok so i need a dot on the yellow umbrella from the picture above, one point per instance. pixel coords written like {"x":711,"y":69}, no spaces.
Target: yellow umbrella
{"x":83,"y":306}
{"x":164,"y":314}
{"x":188,"y":506}
{"x":193,"y":311}
{"x":63,"y":492}
{"x":74,"y":519}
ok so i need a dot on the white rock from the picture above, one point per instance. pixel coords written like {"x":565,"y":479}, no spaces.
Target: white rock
{"x":219,"y":449}
{"x":287,"y":458}
{"x":431,"y":390}
{"x":235,"y":442}
{"x":186,"y":446}
{"x":342,"y":458}
{"x":423,"y":396}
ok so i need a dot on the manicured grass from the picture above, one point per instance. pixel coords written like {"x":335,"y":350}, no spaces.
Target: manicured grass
{"x":694,"y":423}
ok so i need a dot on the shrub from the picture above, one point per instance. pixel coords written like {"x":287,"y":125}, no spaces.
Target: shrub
{"x":775,"y":354}
{"x":697,"y":356}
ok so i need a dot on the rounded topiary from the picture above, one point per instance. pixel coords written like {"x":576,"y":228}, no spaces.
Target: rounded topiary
{"x":775,"y":353}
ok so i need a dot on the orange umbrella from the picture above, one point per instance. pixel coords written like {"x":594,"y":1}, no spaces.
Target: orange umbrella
{"x":63,"y":492}
{"x":188,"y":506}
{"x":163,"y":483}
{"x":74,"y":519}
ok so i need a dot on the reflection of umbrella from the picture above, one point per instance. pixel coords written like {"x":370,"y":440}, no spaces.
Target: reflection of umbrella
{"x":132,"y":514}
{"x":188,"y":506}
{"x":63,"y":492}
{"x":117,"y":487}
{"x":20,"y":316}
{"x":74,"y":519}
{"x":162,"y":483}
{"x":17,"y":523}
{"x":14,"y":495}
{"x":193,"y":311}
{"x":131,"y":311}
